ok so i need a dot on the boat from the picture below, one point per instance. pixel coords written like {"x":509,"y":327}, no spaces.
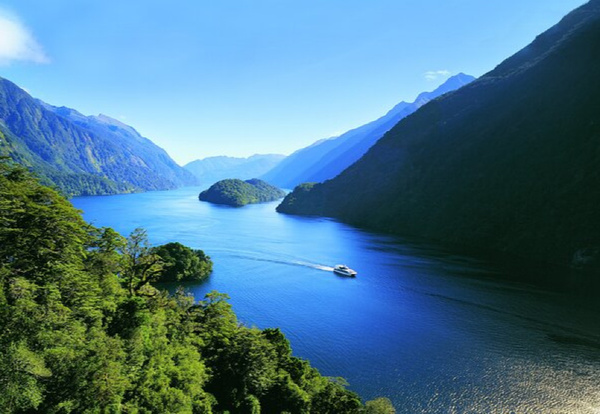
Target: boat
{"x":344,"y":270}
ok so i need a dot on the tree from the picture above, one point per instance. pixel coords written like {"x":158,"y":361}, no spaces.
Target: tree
{"x":379,"y":406}
{"x":142,"y":266}
{"x":82,"y":329}
{"x":40,"y":231}
{"x":333,"y":398}
{"x":182,"y":263}
{"x":20,"y":369}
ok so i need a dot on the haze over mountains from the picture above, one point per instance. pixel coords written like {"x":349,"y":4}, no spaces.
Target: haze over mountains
{"x":82,"y":155}
{"x":327,"y":158}
{"x":212,"y":169}
{"x":96,"y":155}
{"x":508,"y":162}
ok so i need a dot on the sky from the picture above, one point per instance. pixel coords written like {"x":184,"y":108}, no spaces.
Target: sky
{"x":238,"y":77}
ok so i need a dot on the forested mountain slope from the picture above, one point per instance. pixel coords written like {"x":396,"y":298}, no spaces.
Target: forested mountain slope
{"x":81,"y":155}
{"x":507,"y":163}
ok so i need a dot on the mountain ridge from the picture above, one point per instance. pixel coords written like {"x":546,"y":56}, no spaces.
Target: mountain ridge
{"x":507,"y":163}
{"x":82,"y":155}
{"x":326,"y":158}
{"x":209,"y":170}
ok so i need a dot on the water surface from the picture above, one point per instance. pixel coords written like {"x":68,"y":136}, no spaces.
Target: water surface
{"x":431,"y":330}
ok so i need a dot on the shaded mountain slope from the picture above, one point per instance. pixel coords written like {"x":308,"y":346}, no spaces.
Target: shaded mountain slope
{"x":507,"y":163}
{"x":325,"y":159}
{"x":81,"y":155}
{"x":212,"y":169}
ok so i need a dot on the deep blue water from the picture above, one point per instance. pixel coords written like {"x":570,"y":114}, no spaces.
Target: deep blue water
{"x":432,"y":331}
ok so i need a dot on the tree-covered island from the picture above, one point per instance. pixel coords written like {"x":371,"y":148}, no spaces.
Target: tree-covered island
{"x":238,"y":193}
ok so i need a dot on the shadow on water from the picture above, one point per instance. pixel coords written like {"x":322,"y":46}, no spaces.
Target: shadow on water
{"x":575,"y":340}
{"x":564,"y":279}
{"x":482,"y":264}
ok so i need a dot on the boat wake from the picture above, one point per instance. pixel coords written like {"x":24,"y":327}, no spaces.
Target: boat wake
{"x":317,"y":266}
{"x":289,"y":263}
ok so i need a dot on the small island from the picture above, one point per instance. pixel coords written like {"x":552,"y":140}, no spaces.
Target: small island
{"x":238,"y":193}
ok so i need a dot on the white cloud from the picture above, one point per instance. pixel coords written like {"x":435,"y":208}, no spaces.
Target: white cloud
{"x":17,"y":42}
{"x":432,"y":75}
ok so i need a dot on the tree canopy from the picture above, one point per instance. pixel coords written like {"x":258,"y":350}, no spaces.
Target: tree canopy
{"x":84,"y":330}
{"x":238,"y":193}
{"x":181,"y":263}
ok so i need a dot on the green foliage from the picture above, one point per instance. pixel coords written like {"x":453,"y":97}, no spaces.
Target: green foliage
{"x":181,"y":263}
{"x":141,"y":266}
{"x":83,"y":184}
{"x":304,"y":198}
{"x":21,"y":369}
{"x":83,"y":330}
{"x":238,"y":193}
{"x":379,"y":406}
{"x":333,"y":398}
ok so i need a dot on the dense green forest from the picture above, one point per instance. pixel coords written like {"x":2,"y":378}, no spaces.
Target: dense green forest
{"x":238,"y":193}
{"x":85,"y":331}
{"x":508,"y":163}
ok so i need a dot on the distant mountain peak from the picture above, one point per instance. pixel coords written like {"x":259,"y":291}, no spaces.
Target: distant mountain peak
{"x":227,"y":157}
{"x":109,"y":120}
{"x":451,"y":84}
{"x":105,"y":119}
{"x":212,"y":169}
{"x":326,"y":158}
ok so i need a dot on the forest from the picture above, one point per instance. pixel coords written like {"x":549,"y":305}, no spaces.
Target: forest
{"x":237,"y":193}
{"x":86,"y":330}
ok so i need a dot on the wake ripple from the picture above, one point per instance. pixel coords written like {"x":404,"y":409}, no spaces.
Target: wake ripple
{"x":289,"y":263}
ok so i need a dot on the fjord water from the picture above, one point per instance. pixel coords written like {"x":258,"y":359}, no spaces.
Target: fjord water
{"x":431,"y":330}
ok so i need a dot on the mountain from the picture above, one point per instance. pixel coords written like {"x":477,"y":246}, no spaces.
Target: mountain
{"x":238,"y":193}
{"x":212,"y":169}
{"x":327,"y":158}
{"x":82,"y":155}
{"x":508,"y":163}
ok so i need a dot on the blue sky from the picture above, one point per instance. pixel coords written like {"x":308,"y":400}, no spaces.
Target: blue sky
{"x":239,"y":77}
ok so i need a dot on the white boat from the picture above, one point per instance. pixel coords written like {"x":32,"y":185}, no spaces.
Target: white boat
{"x":344,"y":270}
